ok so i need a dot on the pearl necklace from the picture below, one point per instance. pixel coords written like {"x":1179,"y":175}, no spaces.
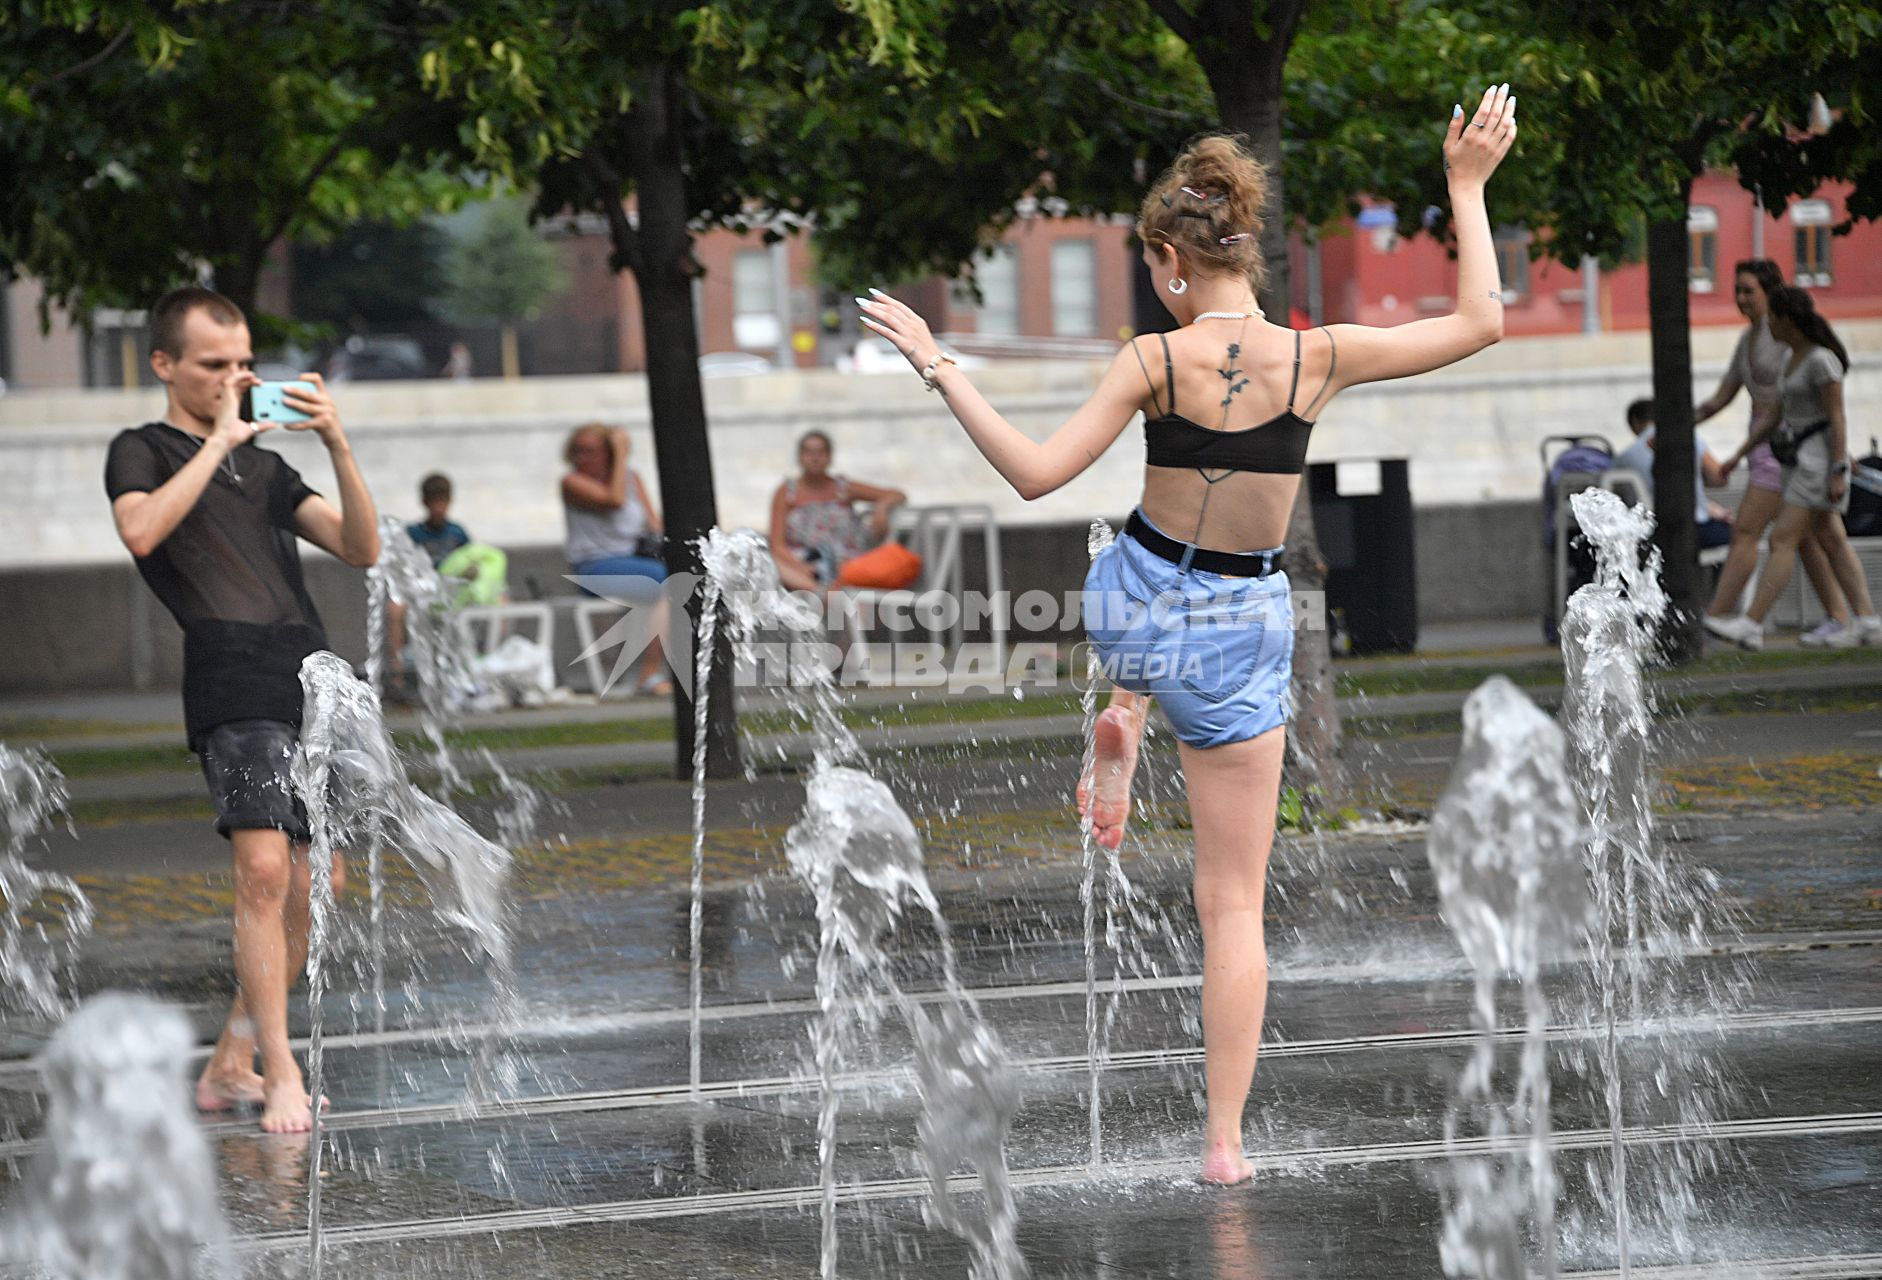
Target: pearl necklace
{"x":1231,"y":315}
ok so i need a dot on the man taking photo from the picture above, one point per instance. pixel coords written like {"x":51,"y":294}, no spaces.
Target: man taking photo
{"x":213,"y":520}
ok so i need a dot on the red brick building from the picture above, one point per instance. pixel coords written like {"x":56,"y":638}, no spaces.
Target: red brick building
{"x":1065,"y":284}
{"x":1368,"y":275}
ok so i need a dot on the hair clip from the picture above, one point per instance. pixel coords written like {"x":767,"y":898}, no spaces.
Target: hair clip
{"x":1237,"y":238}
{"x":1203,"y":196}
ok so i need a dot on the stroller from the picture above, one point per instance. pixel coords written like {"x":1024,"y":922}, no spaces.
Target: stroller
{"x":1580,"y":463}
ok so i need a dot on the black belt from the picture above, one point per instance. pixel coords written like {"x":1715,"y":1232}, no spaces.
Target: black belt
{"x":1257,"y":564}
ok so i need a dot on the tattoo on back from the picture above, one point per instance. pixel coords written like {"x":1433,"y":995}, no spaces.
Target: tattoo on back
{"x":1230,"y":373}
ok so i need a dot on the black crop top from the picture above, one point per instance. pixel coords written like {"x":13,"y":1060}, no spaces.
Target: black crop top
{"x":1277,"y":446}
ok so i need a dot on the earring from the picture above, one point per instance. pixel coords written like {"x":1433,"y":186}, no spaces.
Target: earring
{"x":1178,"y":285}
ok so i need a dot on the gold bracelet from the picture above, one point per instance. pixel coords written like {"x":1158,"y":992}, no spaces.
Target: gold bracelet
{"x":930,"y":376}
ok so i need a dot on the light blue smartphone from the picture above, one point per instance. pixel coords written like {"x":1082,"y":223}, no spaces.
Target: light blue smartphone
{"x":268,"y":403}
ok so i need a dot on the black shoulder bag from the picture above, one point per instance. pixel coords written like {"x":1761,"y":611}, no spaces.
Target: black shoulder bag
{"x":1786,"y":438}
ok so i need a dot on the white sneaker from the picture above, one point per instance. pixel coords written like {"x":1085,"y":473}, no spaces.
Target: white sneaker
{"x":1740,"y":630}
{"x":1829,"y":634}
{"x":1867,"y":631}
{"x":1819,"y":636}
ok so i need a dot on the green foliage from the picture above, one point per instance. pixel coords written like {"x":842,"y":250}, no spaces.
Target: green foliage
{"x":375,"y":275}
{"x":144,"y":143}
{"x":499,"y":269}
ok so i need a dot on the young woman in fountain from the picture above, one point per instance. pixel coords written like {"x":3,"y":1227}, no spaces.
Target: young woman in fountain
{"x":1187,"y":604}
{"x":1757,"y":367}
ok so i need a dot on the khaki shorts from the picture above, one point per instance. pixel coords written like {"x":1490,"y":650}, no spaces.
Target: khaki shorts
{"x":1808,"y":483}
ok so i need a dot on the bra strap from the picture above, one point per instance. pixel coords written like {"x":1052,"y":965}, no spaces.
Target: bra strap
{"x":1294,"y":385}
{"x":1148,"y":381}
{"x":1169,"y":370}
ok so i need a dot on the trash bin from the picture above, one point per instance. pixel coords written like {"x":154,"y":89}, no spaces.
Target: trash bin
{"x":1365,"y":537}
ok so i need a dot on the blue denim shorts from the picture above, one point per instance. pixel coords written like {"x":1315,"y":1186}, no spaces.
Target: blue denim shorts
{"x":247,"y":763}
{"x":1217,"y":652}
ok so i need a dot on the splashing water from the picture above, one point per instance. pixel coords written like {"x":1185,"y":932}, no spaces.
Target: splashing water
{"x":861,"y":856}
{"x":1097,"y":538}
{"x":355,"y":788}
{"x":1648,"y":912}
{"x":123,"y":1186}
{"x":440,"y":665}
{"x":1505,"y":843}
{"x":439,"y":658}
{"x":32,"y":798}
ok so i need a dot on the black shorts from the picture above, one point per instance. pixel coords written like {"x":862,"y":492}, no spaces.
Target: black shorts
{"x":246,"y":763}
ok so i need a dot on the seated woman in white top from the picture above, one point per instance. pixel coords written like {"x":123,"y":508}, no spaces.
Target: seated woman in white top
{"x":612,"y":527}
{"x":613,"y":530}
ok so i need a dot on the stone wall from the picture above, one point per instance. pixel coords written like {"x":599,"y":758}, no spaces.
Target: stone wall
{"x":97,"y":627}
{"x":73,"y":616}
{"x":1471,"y":432}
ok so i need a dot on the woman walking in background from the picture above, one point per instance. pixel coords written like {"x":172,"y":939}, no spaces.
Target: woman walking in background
{"x":1757,"y":366}
{"x":1179,"y":592}
{"x":1812,"y":445}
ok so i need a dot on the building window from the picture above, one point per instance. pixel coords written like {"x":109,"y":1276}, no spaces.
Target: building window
{"x":1812,"y":219}
{"x":754,"y":300}
{"x":996,"y":271}
{"x":1702,"y":248}
{"x":1512,"y":262}
{"x":1074,"y":289}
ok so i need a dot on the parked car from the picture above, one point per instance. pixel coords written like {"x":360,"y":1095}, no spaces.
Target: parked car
{"x":732,"y":364}
{"x":379,"y":357}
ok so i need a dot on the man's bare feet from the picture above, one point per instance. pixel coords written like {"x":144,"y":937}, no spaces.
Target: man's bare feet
{"x":1113,"y":762}
{"x":1224,"y":1165}
{"x":286,"y":1108}
{"x":226,"y":1090}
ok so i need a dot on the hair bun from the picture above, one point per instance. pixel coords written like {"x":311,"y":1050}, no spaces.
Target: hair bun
{"x":1208,"y":206}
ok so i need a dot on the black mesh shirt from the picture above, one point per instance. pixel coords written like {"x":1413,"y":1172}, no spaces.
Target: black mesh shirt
{"x":230,"y":574}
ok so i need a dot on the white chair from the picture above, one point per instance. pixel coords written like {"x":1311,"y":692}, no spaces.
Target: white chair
{"x":934,"y":533}
{"x":484,"y":627}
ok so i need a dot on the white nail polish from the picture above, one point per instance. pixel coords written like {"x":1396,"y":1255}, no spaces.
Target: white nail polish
{"x":879,"y":293}
{"x":864,"y":302}
{"x":1457,"y":111}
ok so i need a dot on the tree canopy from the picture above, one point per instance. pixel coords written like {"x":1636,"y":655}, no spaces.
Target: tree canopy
{"x":148,"y":144}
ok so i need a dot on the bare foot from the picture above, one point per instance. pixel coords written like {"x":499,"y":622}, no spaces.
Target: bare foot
{"x":1225,"y":1166}
{"x":1113,"y":761}
{"x":225,"y":1091}
{"x":286,"y":1108}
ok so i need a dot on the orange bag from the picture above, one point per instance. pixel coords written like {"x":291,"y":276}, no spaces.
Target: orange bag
{"x":890,"y":567}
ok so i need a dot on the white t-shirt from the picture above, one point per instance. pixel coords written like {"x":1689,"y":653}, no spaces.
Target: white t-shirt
{"x":597,"y":535}
{"x":1758,"y":362}
{"x":1638,"y":458}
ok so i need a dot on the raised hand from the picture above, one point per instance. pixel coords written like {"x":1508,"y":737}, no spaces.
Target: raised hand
{"x":1475,"y":145}
{"x":230,"y":427}
{"x":905,"y":330}
{"x":323,"y":416}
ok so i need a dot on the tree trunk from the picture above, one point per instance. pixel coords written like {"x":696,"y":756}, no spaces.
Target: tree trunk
{"x":1246,"y":77}
{"x":239,"y":282}
{"x":1676,"y":534}
{"x":653,"y":131}
{"x":512,"y":363}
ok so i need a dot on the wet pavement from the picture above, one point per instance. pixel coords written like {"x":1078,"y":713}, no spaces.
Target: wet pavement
{"x":601,"y":1162}
{"x":597,"y":1158}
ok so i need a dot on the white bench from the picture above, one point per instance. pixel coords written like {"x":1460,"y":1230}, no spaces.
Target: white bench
{"x":484,"y":627}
